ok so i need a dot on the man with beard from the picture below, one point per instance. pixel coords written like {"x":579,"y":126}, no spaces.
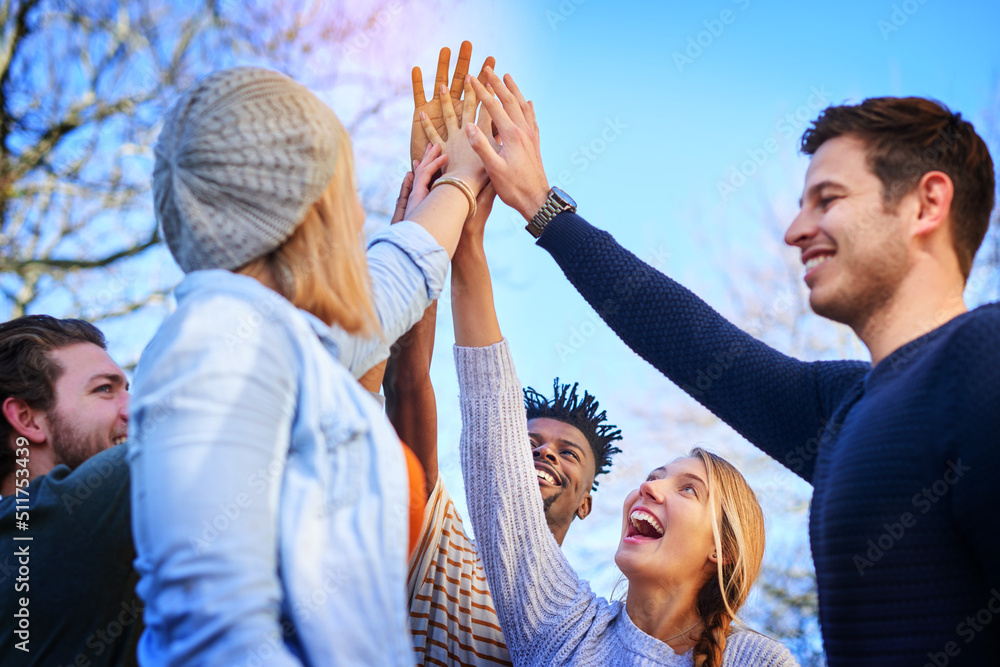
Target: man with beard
{"x":901,"y":452}
{"x":66,"y":552}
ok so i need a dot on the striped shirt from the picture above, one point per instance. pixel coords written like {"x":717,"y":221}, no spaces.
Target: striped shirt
{"x":452,"y":618}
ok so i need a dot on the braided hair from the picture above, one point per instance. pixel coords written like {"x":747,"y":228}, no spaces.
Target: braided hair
{"x":739,"y":542}
{"x":568,"y":407}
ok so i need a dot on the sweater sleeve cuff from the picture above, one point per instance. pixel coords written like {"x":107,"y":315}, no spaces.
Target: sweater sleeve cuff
{"x":425,"y":252}
{"x":485,"y":371}
{"x":565,"y":234}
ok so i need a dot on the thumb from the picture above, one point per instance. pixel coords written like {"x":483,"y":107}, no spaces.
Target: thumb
{"x":492,"y":162}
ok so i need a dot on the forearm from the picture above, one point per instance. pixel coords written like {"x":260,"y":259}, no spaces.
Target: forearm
{"x":408,"y":270}
{"x":777,"y":402}
{"x":412,"y":410}
{"x":443,"y":213}
{"x":532,"y":584}
{"x":473,"y":309}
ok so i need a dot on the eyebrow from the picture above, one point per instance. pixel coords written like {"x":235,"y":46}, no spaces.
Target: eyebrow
{"x":690,"y":475}
{"x":814,"y":189}
{"x":113,"y":378}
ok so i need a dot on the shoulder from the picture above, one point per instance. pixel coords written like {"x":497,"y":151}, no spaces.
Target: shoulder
{"x":971,"y":358}
{"x":976,"y":332}
{"x":223,"y":316}
{"x":747,"y":647}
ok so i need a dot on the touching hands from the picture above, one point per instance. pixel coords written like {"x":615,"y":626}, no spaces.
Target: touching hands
{"x":463,"y":162}
{"x":416,"y":183}
{"x":474,"y":229}
{"x":515,"y":171}
{"x":433,"y":109}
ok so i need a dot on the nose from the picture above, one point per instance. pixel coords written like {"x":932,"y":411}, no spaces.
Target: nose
{"x":123,"y":406}
{"x":543,"y":451}
{"x":801,"y":229}
{"x":651,"y":490}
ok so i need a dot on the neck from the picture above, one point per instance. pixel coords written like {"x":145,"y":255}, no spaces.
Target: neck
{"x":667,"y":613}
{"x":559,"y":530}
{"x":40,"y":462}
{"x":922,"y":303}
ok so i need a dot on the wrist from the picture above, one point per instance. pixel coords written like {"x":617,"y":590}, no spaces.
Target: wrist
{"x":533,"y":202}
{"x":469,"y":254}
{"x":474,"y":178}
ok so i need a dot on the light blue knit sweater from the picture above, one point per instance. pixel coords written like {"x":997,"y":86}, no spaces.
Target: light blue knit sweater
{"x":549,"y":615}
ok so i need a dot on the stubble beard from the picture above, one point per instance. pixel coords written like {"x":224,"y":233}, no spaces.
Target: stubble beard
{"x":70,"y":445}
{"x":868,"y":288}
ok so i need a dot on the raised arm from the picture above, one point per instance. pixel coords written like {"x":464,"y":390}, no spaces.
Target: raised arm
{"x":542,"y":605}
{"x":780,"y":404}
{"x":409,"y":395}
{"x":407,"y":269}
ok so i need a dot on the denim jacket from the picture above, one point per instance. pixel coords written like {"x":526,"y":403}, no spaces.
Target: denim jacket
{"x":269,"y":491}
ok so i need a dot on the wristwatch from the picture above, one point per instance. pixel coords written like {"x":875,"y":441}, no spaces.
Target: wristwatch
{"x":555,"y":203}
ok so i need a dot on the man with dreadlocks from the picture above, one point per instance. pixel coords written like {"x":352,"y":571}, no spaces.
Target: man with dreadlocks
{"x":452,"y":618}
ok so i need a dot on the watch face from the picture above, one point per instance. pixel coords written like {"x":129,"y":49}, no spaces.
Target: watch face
{"x":566,"y":199}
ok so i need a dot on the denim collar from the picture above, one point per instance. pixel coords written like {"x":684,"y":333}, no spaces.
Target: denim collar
{"x":220,"y":280}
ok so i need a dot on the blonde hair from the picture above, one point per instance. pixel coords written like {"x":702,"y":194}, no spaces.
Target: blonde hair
{"x":739,"y":543}
{"x":321,"y":267}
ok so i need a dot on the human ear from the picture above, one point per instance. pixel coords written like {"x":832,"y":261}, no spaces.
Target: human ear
{"x":935,"y":193}
{"x":585,"y":506}
{"x":24,"y":419}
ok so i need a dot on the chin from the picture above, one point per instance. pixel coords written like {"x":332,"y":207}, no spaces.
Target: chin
{"x":833,"y":307}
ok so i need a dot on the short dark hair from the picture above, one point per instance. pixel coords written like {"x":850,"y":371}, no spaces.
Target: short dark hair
{"x":28,"y":372}
{"x":908,"y":136}
{"x":567,"y":406}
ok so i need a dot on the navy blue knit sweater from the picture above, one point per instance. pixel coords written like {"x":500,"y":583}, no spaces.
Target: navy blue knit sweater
{"x":904,"y":458}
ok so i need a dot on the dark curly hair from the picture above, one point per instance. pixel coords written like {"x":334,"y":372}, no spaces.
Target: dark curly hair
{"x":567,"y":406}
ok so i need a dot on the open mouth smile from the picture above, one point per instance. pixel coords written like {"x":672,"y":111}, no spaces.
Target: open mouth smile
{"x":643,"y":526}
{"x":546,"y":475}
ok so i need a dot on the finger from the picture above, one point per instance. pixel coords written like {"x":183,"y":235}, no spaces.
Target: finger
{"x":470,"y":103}
{"x":418,"y":88}
{"x":512,"y":87}
{"x":404,"y":196}
{"x":529,"y":115}
{"x":442,"y":71}
{"x":447,"y":110}
{"x":486,"y":126}
{"x":422,"y":177}
{"x":429,"y":131}
{"x":494,"y":108}
{"x":489,"y":62}
{"x":493,"y":163}
{"x":433,"y":150}
{"x":461,"y":69}
{"x":507,"y":99}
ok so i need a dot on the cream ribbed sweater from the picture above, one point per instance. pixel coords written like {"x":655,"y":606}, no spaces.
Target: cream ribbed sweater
{"x":548,"y":614}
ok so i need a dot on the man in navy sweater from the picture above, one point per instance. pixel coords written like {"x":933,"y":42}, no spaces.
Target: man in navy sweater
{"x":901,"y":452}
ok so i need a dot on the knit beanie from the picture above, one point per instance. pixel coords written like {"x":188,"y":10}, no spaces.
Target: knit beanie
{"x":242,"y":157}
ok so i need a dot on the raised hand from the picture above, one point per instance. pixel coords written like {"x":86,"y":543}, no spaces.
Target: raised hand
{"x":515,"y":171}
{"x":432,"y":109}
{"x":463,"y":163}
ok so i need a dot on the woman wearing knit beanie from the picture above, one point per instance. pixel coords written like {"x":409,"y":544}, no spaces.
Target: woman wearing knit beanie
{"x":269,"y":491}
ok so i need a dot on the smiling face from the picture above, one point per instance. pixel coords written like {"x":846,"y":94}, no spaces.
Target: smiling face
{"x":855,"y":252}
{"x":667,"y":528}
{"x":91,"y":404}
{"x":564,"y":464}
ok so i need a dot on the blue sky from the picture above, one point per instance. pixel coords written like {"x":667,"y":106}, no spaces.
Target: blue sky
{"x":675,"y":127}
{"x":645,"y":109}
